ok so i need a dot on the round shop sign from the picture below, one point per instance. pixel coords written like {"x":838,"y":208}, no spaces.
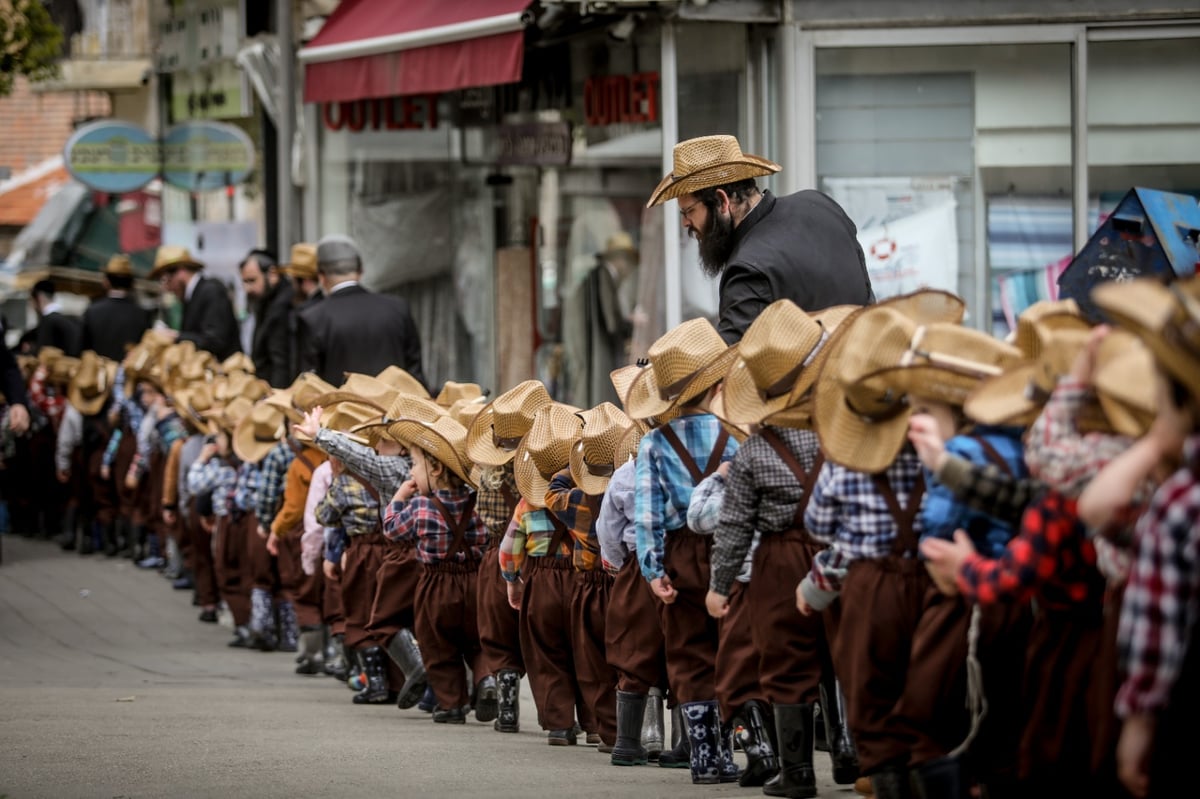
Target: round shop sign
{"x":202,"y":156}
{"x":112,"y":156}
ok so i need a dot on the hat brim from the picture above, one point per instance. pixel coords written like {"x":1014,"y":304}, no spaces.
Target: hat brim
{"x":481,"y":446}
{"x":158,"y":271}
{"x":644,"y":401}
{"x":246,"y":446}
{"x":1132,"y":304}
{"x":1004,"y":399}
{"x":339,"y":396}
{"x":303,"y":274}
{"x":529,"y":480}
{"x":585,"y":481}
{"x":91,"y":407}
{"x":425,"y":437}
{"x":672,"y":187}
{"x":854,"y":441}
{"x":796,"y":417}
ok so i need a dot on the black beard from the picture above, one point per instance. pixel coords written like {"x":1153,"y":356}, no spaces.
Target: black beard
{"x":716,"y":244}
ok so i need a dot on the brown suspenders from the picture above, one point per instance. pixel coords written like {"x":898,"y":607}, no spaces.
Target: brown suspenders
{"x":298,"y":451}
{"x":992,"y":455}
{"x":806,"y":479}
{"x":906,"y":531}
{"x":689,"y":463}
{"x":458,"y":528}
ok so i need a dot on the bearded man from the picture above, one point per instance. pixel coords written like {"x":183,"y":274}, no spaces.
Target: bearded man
{"x":764,"y":248}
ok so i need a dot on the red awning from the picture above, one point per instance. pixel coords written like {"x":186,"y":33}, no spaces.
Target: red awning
{"x":384,"y":48}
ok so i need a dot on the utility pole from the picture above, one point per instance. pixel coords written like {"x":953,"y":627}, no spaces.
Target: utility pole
{"x":285,"y":129}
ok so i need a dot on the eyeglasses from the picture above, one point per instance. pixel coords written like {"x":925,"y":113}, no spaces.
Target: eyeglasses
{"x":685,"y":213}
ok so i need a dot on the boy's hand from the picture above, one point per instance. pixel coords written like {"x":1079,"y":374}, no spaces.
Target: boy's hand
{"x":330,"y":569}
{"x":1084,"y":367}
{"x":336,"y":467}
{"x":1133,"y":754}
{"x":663,"y":589}
{"x":311,"y":424}
{"x":105,"y":473}
{"x":208,"y":452}
{"x":924,"y":435}
{"x":168,"y":516}
{"x":273,"y":544}
{"x":405,"y":492}
{"x":723,"y":469}
{"x":717,"y":604}
{"x":944,"y":560}
{"x":802,"y":603}
{"x":515,"y":591}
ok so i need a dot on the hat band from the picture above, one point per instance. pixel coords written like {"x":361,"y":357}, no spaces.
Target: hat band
{"x":785,"y":384}
{"x":1036,"y":393}
{"x":507,"y":444}
{"x":599,"y":469}
{"x":897,"y":408}
{"x":1185,"y":335}
{"x":671,"y":392}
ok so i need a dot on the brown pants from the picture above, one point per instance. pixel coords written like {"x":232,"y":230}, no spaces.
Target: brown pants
{"x":364,"y":556}
{"x":893,"y":665}
{"x":546,"y":642}
{"x":632,"y":634}
{"x":597,"y":680}
{"x":332,"y":612}
{"x":127,"y":498}
{"x":148,"y":510}
{"x":1003,"y":642}
{"x":392,"y":607}
{"x":104,"y":495}
{"x":446,"y":629}
{"x":229,"y":563}
{"x":304,"y":591}
{"x":737,"y":659}
{"x":690,"y":635}
{"x":204,"y":573}
{"x":792,"y":649}
{"x":260,"y":564}
{"x":499,"y":624}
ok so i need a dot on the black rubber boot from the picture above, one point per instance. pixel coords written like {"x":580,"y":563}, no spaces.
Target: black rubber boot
{"x":703,"y":726}
{"x":939,"y":779}
{"x":794,"y":732}
{"x":680,"y":753}
{"x":837,"y":732}
{"x":111,"y":545}
{"x":405,"y":653}
{"x":761,"y":762}
{"x":628,"y":749}
{"x":508,"y":717}
{"x":892,"y":783}
{"x":376,"y":692}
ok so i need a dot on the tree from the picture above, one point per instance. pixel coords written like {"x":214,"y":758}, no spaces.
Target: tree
{"x":30,"y":42}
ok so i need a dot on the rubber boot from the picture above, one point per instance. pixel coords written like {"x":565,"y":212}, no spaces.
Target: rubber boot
{"x":761,"y":762}
{"x":66,"y":537}
{"x":336,"y":664}
{"x":289,"y":628}
{"x":702,"y":725}
{"x":680,"y":754}
{"x":91,"y":537}
{"x":729,"y":768}
{"x":403,"y":650}
{"x":487,"y":699}
{"x":262,"y":620}
{"x":310,"y":651}
{"x":112,"y":544}
{"x":174,"y":558}
{"x":153,"y":558}
{"x":892,"y":783}
{"x":794,"y":733}
{"x":939,"y":779}
{"x":376,"y":692}
{"x":653,"y":737}
{"x":837,"y":732}
{"x":508,"y":717}
{"x":628,"y":749}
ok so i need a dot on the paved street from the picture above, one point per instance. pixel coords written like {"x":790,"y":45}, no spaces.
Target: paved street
{"x":109,"y":687}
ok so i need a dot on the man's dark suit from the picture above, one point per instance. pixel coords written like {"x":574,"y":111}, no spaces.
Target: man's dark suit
{"x":57,"y":330}
{"x":110,"y":323}
{"x":353,"y":330}
{"x":271,"y":349}
{"x":209,"y":321}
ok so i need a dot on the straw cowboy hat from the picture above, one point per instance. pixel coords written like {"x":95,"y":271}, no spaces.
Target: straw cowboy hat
{"x":402,"y":406}
{"x":1166,"y":317}
{"x":119,"y":266}
{"x":402,"y":381}
{"x":241,"y":384}
{"x":302,"y":263}
{"x":47,"y":356}
{"x":493,"y":436}
{"x":686,"y":362}
{"x":1017,"y":396}
{"x":546,"y":450}
{"x":169,"y":257}
{"x":464,"y":411}
{"x":592,"y":460}
{"x":360,"y":388}
{"x":298,"y":398}
{"x":195,"y":404}
{"x":62,"y":370}
{"x":622,"y":379}
{"x":1125,"y":383}
{"x":92,"y":384}
{"x":238,"y":362}
{"x":452,"y":392}
{"x":443,"y":439}
{"x":259,"y":432}
{"x":706,"y":162}
{"x":627,"y":448}
{"x":346,"y":418}
{"x":1043,"y":312}
{"x":197,"y":368}
{"x":879,"y":357}
{"x":620,"y":243}
{"x":776,"y":359}
{"x":230,"y":415}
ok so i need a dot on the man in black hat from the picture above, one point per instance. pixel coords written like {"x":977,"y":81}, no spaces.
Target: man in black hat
{"x":54,"y":329}
{"x":208,"y":318}
{"x":115,"y":320}
{"x":269,"y":296}
{"x":352,"y":329}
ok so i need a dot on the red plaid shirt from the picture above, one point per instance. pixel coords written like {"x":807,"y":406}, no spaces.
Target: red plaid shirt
{"x":49,"y":399}
{"x":1050,"y":555}
{"x":1162,"y":598}
{"x":418,"y":520}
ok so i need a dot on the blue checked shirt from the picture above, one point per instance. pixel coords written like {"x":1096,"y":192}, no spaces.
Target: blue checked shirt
{"x":132,"y":410}
{"x":849,"y":514}
{"x":217,"y":477}
{"x":245,"y":490}
{"x":942,"y":513}
{"x":271,"y":482}
{"x":664,"y":485}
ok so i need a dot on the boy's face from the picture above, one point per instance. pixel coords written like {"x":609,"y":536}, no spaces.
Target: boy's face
{"x":148,"y":395}
{"x":424,"y":473}
{"x":943,"y":413}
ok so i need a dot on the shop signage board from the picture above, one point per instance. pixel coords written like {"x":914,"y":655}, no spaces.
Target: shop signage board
{"x":203,"y":155}
{"x":621,"y":99}
{"x":112,"y":156}
{"x":418,"y":112}
{"x":532,"y":144}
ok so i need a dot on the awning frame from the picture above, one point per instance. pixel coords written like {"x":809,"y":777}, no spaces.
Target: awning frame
{"x":398,"y":42}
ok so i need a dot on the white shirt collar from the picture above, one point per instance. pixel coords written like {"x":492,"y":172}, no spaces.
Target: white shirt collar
{"x":51,"y":307}
{"x":191,"y":287}
{"x":341,"y":286}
